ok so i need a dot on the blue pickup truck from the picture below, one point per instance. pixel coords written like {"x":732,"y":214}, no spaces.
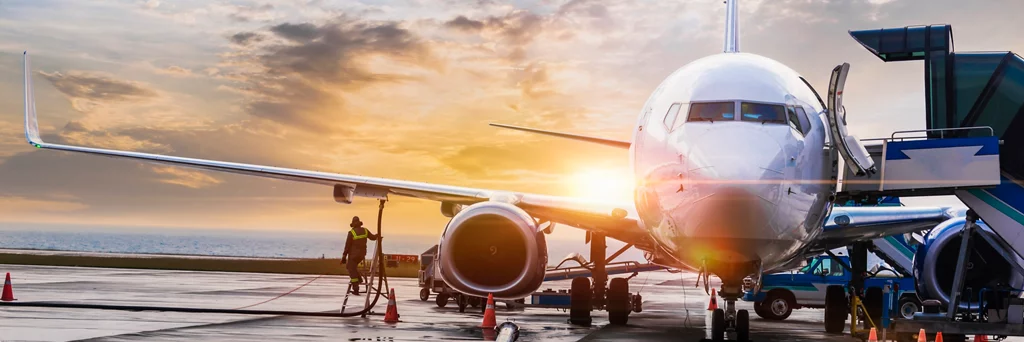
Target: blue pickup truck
{"x":805,"y":288}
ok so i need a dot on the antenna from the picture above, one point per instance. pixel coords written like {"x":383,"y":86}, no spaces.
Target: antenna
{"x":732,"y":26}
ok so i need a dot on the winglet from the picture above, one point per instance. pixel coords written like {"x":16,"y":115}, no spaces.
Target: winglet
{"x":31,"y":122}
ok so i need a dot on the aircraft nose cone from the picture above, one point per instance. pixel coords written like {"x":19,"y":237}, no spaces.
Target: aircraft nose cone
{"x":737,"y":175}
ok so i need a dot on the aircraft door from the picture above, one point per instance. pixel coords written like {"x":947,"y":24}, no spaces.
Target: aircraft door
{"x":854,"y":154}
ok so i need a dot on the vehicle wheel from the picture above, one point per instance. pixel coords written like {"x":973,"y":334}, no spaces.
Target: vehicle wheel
{"x":424,"y":294}
{"x":463,"y":301}
{"x":579,"y":302}
{"x":442,"y":299}
{"x":909,"y":306}
{"x":742,"y":326}
{"x":778,"y":305}
{"x":836,"y":309}
{"x":476,"y":302}
{"x":718,"y":325}
{"x":759,"y":309}
{"x":618,"y":301}
{"x":873,"y":304}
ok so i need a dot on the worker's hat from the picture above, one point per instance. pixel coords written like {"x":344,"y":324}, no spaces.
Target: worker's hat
{"x":356,"y":222}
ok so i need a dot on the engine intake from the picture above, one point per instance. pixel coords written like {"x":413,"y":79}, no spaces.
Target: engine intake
{"x":493,"y":248}
{"x":935,"y":263}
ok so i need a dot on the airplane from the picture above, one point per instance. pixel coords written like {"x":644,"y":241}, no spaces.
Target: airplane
{"x":735,"y":158}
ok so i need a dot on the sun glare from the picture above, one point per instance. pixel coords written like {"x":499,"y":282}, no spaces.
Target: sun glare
{"x":606,"y":185}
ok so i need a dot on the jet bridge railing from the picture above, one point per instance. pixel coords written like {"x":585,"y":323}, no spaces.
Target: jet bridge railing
{"x":915,"y":163}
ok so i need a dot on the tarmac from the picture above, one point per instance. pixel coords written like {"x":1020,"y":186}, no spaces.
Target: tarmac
{"x":674,"y":310}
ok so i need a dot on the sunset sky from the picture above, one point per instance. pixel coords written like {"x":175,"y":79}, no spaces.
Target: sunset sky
{"x":397,"y":89}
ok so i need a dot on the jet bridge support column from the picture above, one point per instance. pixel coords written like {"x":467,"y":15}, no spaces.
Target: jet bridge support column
{"x":961,"y":263}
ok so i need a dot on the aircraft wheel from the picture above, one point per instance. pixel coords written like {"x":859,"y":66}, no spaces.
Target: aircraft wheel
{"x":743,"y":326}
{"x":442,"y":299}
{"x":579,"y":302}
{"x":718,"y":325}
{"x":618,"y":301}
{"x":836,"y":309}
{"x":424,"y":294}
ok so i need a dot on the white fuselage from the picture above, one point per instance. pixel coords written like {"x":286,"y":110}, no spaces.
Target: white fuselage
{"x":722,"y":182}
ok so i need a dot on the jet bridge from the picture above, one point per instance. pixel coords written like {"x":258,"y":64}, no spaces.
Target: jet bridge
{"x":972,"y":147}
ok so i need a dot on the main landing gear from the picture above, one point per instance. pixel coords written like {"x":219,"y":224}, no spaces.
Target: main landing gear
{"x":615,"y":298}
{"x":729,"y":318}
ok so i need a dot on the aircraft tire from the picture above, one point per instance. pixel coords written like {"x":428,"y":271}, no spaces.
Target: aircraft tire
{"x":743,"y":326}
{"x":618,"y":305}
{"x":579,"y":302}
{"x":718,"y":325}
{"x":836,"y":309}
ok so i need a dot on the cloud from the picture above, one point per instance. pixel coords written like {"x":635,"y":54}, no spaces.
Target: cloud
{"x":465,"y":24}
{"x":83,"y":85}
{"x":187,"y":178}
{"x":175,"y":71}
{"x":299,"y":79}
{"x":11,"y":206}
{"x":245,"y":38}
{"x":242,"y":13}
{"x":77,"y":133}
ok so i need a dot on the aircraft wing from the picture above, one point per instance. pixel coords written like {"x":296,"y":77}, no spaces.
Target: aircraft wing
{"x":616,"y":221}
{"x":846,"y":225}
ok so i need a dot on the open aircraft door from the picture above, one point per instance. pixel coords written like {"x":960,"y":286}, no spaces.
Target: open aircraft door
{"x":854,"y":154}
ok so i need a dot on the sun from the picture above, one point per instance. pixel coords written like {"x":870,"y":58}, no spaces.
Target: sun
{"x":605,"y":185}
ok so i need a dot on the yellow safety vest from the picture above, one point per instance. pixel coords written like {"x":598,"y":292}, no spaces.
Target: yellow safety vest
{"x":366,"y":233}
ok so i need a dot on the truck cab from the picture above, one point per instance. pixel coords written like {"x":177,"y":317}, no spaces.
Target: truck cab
{"x":783,"y":292}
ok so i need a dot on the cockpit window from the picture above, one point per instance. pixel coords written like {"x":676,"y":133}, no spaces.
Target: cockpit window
{"x":671,"y":117}
{"x":763,"y":112}
{"x":712,"y":111}
{"x":794,"y":121}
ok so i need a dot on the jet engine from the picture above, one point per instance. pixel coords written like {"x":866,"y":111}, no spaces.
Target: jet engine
{"x":493,"y":247}
{"x":987,"y":267}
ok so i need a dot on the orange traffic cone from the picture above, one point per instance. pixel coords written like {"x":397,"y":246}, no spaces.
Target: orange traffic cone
{"x":391,"y":316}
{"x":938,"y":337}
{"x":713,"y":304}
{"x":8,"y":290}
{"x":980,"y":338}
{"x":873,"y":336}
{"x":489,"y":320}
{"x":921,"y":336}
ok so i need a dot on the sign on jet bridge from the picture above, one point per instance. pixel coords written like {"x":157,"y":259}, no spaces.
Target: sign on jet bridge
{"x":940,"y":163}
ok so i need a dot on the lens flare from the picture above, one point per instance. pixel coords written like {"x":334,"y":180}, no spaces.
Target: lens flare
{"x":604,"y":185}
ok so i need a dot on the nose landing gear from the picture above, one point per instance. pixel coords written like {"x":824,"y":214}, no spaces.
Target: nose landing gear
{"x":730,"y":319}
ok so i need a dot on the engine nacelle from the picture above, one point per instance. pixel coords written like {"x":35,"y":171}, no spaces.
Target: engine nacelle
{"x":493,"y":247}
{"x":935,"y":263}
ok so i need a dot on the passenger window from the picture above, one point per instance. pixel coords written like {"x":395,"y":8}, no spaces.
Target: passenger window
{"x":805,"y":122}
{"x":670,"y":117}
{"x":763,"y":113}
{"x":712,"y":111}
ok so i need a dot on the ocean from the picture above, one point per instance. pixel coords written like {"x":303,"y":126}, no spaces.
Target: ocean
{"x":231,"y":242}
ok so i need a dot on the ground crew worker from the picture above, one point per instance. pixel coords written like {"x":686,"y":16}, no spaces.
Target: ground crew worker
{"x":355,"y":251}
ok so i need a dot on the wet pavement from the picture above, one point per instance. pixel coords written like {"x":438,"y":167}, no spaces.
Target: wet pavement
{"x":672,"y":311}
